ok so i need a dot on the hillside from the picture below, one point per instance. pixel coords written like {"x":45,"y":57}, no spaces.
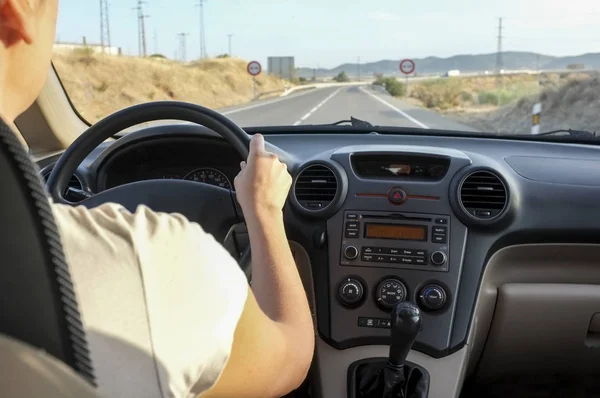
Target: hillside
{"x":511,"y":60}
{"x":99,"y":85}
{"x":573,"y":104}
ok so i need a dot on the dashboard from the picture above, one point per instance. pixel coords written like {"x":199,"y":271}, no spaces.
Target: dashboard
{"x":385,"y":217}
{"x":202,"y":160}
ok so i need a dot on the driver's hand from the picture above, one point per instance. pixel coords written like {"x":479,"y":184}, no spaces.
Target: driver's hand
{"x":263,"y":183}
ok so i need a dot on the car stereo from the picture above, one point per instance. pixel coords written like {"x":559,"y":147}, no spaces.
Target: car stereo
{"x":396,"y":240}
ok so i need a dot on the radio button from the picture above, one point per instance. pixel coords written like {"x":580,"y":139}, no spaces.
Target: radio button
{"x":351,"y":216}
{"x":352,"y":225}
{"x":420,"y":261}
{"x":440,"y":230}
{"x":438,"y":258}
{"x":382,"y":259}
{"x":407,"y":252}
{"x":421,"y":253}
{"x":368,"y":257}
{"x":407,"y":260}
{"x":367,"y":250}
{"x":394,"y":259}
{"x":384,"y":250}
{"x":394,"y":251}
{"x":350,"y":252}
{"x":441,"y":221}
{"x":439,"y":239}
{"x":352,"y":233}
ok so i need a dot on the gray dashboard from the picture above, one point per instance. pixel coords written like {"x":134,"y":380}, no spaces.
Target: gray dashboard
{"x":551,"y":195}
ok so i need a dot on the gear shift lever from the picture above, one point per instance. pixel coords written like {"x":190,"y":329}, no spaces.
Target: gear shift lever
{"x":405,"y":325}
{"x":393,"y":377}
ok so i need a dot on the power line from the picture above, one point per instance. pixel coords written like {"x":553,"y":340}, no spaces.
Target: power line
{"x":182,"y":45}
{"x":104,"y":25}
{"x":200,"y":4}
{"x":141,"y":28}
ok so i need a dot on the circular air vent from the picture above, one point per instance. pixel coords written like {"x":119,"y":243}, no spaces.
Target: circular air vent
{"x":483,"y":195}
{"x":316,"y":187}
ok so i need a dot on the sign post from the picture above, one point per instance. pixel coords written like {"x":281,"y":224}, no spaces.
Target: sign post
{"x":407,"y":66}
{"x":254,"y":70}
{"x":535,"y":121}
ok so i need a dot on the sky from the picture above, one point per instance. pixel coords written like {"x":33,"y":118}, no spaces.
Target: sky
{"x":326,"y":33}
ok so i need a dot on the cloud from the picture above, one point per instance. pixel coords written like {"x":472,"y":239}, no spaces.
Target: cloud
{"x":383,"y":16}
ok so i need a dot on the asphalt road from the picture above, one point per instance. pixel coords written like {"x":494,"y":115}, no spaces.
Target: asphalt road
{"x":328,"y":105}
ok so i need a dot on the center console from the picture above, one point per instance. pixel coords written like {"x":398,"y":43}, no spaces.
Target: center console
{"x":395,"y":239}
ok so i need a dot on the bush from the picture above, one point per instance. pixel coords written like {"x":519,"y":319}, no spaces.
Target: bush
{"x":391,"y":85}
{"x":159,"y":56}
{"x":341,"y":77}
{"x":223,"y":56}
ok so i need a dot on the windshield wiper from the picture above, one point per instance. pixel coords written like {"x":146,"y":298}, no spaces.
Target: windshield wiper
{"x":572,"y":133}
{"x":354,"y":122}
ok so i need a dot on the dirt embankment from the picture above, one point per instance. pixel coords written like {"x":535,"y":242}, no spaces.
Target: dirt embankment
{"x":99,"y":85}
{"x":575,"y":104}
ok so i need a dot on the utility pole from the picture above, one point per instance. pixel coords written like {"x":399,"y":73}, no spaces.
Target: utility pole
{"x":499,"y":65}
{"x":200,"y":4}
{"x":141,"y":28}
{"x":182,"y":45}
{"x":229,"y":37}
{"x":104,"y":26}
{"x":358,"y":67}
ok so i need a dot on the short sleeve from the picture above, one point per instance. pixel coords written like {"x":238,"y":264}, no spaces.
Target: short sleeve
{"x":161,"y":284}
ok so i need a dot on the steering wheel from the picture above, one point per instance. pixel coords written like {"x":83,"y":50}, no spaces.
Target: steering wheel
{"x":214,"y":208}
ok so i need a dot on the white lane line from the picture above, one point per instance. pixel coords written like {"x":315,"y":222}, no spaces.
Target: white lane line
{"x":247,"y":108}
{"x":406,"y":115}
{"x":320,"y":104}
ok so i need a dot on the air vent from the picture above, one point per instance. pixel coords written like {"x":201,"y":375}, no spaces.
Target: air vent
{"x":483,"y":195}
{"x":316,"y":187}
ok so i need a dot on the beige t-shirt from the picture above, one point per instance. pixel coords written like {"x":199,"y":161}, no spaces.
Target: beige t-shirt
{"x":160,"y":299}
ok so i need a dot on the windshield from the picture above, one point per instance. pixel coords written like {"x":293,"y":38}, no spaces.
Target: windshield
{"x":515,"y":66}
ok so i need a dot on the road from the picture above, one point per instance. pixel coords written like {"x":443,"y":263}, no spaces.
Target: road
{"x":331,"y":104}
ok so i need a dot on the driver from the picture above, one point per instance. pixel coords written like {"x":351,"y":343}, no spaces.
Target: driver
{"x":167,"y":310}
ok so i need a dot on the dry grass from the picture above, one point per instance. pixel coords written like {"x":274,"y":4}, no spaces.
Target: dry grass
{"x":100,"y":85}
{"x":468,"y":92}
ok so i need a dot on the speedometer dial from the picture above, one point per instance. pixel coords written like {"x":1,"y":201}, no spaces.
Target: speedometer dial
{"x":210,"y":176}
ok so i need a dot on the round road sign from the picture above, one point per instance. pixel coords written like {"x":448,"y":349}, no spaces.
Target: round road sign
{"x":407,"y":66}
{"x":254,"y":68}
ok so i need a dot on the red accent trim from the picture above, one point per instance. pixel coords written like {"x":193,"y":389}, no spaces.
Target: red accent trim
{"x":387,"y":196}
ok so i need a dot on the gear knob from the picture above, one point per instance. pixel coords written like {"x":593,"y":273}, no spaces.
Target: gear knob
{"x":405,"y":325}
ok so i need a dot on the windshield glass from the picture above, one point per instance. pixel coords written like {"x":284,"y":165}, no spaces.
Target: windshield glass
{"x":515,"y":66}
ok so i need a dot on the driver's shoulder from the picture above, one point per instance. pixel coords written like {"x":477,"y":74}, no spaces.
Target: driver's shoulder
{"x":141,"y":229}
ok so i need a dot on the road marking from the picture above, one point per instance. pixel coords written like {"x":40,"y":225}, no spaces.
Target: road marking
{"x":247,"y":108}
{"x":320,"y":104}
{"x":406,"y":115}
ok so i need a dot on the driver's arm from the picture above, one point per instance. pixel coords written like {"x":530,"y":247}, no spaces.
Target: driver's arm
{"x":274,"y":339}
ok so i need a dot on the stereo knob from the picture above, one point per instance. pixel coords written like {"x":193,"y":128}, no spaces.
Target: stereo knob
{"x":351,"y":252}
{"x":351,"y":292}
{"x":438,"y":258}
{"x":390,"y":292}
{"x":432,"y":297}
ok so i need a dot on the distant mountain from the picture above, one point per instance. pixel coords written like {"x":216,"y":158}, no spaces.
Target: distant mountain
{"x":512,"y":60}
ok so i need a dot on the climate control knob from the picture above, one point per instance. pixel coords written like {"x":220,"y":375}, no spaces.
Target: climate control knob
{"x":351,"y":292}
{"x":351,"y":252}
{"x":390,"y":292}
{"x":438,"y":258}
{"x":432,"y":297}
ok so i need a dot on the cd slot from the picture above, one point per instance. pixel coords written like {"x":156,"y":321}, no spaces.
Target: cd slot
{"x":396,"y":216}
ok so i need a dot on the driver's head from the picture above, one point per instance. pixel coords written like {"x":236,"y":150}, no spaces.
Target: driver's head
{"x":27,"y":29}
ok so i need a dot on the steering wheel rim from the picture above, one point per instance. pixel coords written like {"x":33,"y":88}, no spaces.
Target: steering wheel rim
{"x":128,"y":117}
